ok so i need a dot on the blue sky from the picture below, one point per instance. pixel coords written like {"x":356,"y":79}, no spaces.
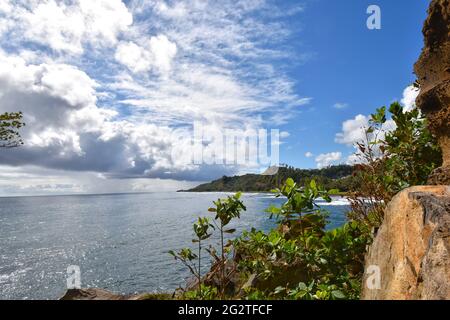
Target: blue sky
{"x":351,"y":64}
{"x":110,"y":89}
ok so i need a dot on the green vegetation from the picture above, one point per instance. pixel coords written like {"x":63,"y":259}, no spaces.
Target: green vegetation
{"x":334,"y":177}
{"x":391,"y":161}
{"x":225,"y":210}
{"x":186,"y":256}
{"x":299,"y":259}
{"x":296,"y":260}
{"x":10,"y":123}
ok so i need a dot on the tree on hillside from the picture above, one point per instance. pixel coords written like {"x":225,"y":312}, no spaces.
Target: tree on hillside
{"x":10,"y":123}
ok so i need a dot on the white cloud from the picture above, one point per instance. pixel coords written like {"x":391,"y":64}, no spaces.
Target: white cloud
{"x":158,"y":53}
{"x":178,"y":10}
{"x":340,"y":105}
{"x":353,"y":130}
{"x":326,"y":159}
{"x":26,"y":180}
{"x":65,"y":26}
{"x":309,"y":154}
{"x":354,"y":158}
{"x":409,"y":98}
{"x":62,"y":64}
{"x":163,"y":52}
{"x":136,"y":58}
{"x":203,"y":46}
{"x":67,"y":130}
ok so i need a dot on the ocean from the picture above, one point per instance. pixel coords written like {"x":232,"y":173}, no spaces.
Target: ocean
{"x":118,"y":241}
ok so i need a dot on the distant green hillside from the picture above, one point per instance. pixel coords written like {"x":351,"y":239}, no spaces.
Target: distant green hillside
{"x":334,"y":177}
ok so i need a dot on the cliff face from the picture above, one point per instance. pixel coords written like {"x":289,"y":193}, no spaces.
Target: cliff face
{"x":433,"y":72}
{"x":411,"y":250}
{"x":412,"y":247}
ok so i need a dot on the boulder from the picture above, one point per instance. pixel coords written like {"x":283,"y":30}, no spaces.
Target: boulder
{"x":412,"y":247}
{"x":433,"y":72}
{"x":90,"y":294}
{"x":100,"y":294}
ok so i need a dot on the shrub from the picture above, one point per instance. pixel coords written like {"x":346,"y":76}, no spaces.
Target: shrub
{"x":391,"y":161}
{"x":299,"y":259}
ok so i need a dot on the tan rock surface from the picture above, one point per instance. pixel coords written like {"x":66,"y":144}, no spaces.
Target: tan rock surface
{"x":433,"y":72}
{"x":412,"y":247}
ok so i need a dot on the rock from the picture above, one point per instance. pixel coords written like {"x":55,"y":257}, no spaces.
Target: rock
{"x":433,"y":72}
{"x":100,"y":294}
{"x":90,"y":294}
{"x":412,"y":247}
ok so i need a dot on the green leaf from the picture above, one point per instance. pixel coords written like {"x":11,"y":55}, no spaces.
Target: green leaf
{"x":290,"y":182}
{"x":334,"y":191}
{"x":338,"y":294}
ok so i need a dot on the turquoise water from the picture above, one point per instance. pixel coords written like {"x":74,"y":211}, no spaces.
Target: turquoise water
{"x":119,"y":241}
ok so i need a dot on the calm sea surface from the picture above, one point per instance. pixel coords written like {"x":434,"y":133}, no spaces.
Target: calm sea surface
{"x":119,"y":241}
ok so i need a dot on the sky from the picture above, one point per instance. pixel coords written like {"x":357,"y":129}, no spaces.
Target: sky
{"x":110,"y":89}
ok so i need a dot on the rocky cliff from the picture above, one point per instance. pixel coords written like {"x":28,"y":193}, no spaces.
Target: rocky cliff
{"x":410,"y":255}
{"x":433,"y":72}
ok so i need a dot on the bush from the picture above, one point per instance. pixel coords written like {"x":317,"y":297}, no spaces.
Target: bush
{"x":299,"y":259}
{"x":391,"y":161}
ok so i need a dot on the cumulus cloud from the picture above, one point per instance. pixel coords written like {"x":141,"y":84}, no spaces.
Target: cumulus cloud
{"x":326,"y":159}
{"x":66,"y":25}
{"x":157,"y":53}
{"x":104,"y":85}
{"x":409,"y":98}
{"x":163,"y":52}
{"x":136,"y":58}
{"x":353,"y":130}
{"x":309,"y":154}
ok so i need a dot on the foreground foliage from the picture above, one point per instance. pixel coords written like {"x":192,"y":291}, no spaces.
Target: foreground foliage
{"x":391,"y":160}
{"x":300,"y":259}
{"x":297,"y":260}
